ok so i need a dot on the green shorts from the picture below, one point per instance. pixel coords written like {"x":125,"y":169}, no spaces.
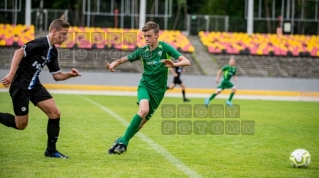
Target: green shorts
{"x":154,"y":99}
{"x":225,"y":84}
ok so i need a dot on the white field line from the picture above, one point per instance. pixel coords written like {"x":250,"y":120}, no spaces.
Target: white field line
{"x":158,"y":148}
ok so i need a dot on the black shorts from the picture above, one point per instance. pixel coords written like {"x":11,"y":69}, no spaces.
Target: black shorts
{"x":20,"y":98}
{"x":177,"y":80}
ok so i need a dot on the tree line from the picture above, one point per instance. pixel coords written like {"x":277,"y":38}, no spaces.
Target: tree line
{"x":235,"y":9}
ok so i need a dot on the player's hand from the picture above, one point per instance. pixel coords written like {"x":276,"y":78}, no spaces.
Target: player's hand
{"x":6,"y":81}
{"x":110,"y":67}
{"x":217,"y":80}
{"x":74,"y":73}
{"x":175,"y":75}
{"x":168,"y":63}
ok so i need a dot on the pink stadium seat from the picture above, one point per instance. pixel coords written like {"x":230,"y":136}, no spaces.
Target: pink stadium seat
{"x":313,"y":52}
{"x":277,"y":51}
{"x":228,"y":48}
{"x":217,"y":49}
{"x":211,"y":49}
{"x":266,"y":50}
{"x":253,"y":50}
{"x":295,"y":52}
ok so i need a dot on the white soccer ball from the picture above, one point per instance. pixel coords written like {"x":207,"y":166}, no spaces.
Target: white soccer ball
{"x":300,"y":158}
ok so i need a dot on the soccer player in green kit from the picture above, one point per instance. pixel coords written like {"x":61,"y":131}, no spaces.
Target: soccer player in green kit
{"x":155,"y":57}
{"x":229,"y":72}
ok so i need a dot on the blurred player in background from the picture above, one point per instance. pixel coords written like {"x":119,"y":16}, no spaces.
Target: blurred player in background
{"x":153,"y":85}
{"x":177,"y":71}
{"x":27,"y":63}
{"x":228,"y":71}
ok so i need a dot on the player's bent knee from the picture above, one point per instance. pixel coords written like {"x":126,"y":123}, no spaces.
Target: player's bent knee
{"x":143,"y":112}
{"x":54,"y":114}
{"x":21,"y":122}
{"x":234,"y":90}
{"x":21,"y":125}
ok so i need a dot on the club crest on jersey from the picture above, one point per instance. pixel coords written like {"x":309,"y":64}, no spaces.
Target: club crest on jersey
{"x":160,"y":53}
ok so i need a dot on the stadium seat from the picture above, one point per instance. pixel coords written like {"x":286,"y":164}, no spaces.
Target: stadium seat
{"x":15,"y":35}
{"x":261,"y":44}
{"x":95,"y":38}
{"x":313,"y":52}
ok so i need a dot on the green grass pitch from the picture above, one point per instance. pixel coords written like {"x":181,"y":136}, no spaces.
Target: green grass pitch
{"x":87,"y":131}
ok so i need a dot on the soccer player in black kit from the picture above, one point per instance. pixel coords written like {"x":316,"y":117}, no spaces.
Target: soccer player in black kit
{"x":177,"y":81}
{"x":23,"y":79}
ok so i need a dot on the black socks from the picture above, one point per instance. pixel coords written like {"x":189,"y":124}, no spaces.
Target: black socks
{"x":53,"y":130}
{"x":183,"y":92}
{"x":8,"y":120}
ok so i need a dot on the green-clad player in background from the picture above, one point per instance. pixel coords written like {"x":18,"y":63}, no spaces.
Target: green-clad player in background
{"x":152,"y":87}
{"x":229,"y":71}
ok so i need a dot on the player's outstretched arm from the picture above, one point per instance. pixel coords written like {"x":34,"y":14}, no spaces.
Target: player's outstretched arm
{"x":218,"y":75}
{"x":17,"y":57}
{"x":182,"y":61}
{"x":235,"y":78}
{"x":111,"y":67}
{"x":66,"y":75}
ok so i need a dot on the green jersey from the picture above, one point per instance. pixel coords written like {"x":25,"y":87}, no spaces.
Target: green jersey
{"x":155,"y":73}
{"x":229,"y":71}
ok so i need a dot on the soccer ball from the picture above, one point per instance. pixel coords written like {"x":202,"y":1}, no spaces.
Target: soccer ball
{"x":300,"y":158}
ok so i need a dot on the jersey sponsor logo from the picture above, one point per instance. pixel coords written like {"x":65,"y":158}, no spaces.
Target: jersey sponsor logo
{"x":154,"y":62}
{"x":39,"y":67}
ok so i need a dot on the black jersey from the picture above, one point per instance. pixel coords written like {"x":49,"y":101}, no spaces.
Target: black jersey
{"x":37,"y":54}
{"x":178,"y":70}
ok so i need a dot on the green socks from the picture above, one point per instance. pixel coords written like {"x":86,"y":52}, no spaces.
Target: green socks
{"x":231,"y":96}
{"x":212,"y":97}
{"x":131,"y":129}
